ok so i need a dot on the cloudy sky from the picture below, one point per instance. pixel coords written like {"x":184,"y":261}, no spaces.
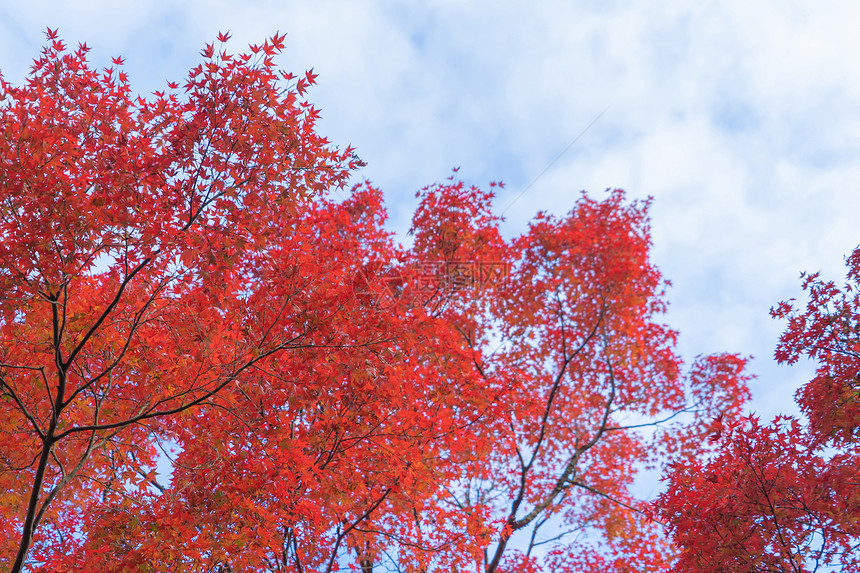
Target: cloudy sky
{"x":741,"y":119}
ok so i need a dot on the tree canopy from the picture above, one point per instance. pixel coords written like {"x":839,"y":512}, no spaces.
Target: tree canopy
{"x":784,"y":496}
{"x":185,"y":277}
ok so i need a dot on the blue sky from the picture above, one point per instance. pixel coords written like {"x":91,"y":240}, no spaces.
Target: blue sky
{"x":741,"y":119}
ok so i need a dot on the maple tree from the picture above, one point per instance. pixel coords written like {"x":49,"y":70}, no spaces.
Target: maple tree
{"x":570,"y":334}
{"x":784,"y":496}
{"x":182,"y":280}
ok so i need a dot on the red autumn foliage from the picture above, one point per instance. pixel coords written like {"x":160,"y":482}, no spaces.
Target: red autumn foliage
{"x":784,"y":496}
{"x":178,"y":282}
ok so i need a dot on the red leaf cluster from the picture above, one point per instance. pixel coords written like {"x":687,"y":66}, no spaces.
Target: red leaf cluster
{"x":784,"y":496}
